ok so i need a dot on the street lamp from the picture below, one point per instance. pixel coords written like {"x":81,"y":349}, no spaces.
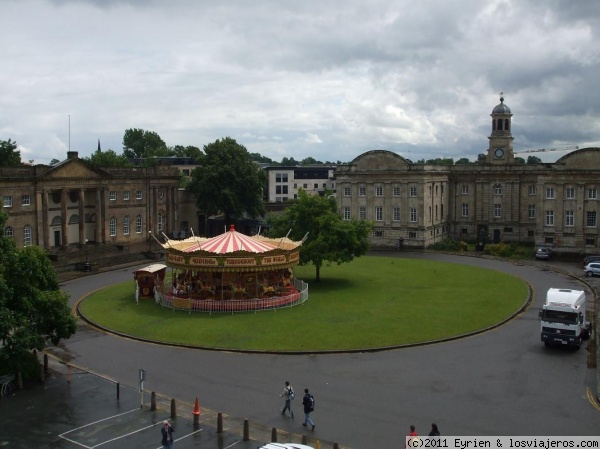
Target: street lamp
{"x":86,"y":265}
{"x":86,"y":253}
{"x":149,"y":242}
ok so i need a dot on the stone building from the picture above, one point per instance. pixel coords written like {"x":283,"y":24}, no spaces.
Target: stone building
{"x":551,"y":204}
{"x":74,"y":207}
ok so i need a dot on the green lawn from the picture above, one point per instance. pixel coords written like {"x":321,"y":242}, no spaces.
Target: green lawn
{"x":368,"y":303}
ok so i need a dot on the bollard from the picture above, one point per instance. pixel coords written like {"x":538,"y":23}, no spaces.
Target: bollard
{"x":246,"y":430}
{"x":220,"y":422}
{"x":304,"y":440}
{"x":118,"y":390}
{"x":152,"y":401}
{"x":336,"y":446}
{"x":69,"y":374}
{"x":196,"y":414}
{"x":173,"y":409}
{"x":19,"y":380}
{"x":274,"y":435}
{"x":42,"y":375}
{"x":46,"y":362}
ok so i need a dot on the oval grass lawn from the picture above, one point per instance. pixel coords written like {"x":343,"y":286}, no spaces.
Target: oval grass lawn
{"x":372,"y":302}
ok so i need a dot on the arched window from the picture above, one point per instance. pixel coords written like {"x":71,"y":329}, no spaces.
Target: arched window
{"x":126,"y":225}
{"x":494,"y":125}
{"x":497,"y":189}
{"x":74,"y":219}
{"x":506,"y":124}
{"x":9,"y":232}
{"x":113,"y":226}
{"x":138,"y":224}
{"x":499,"y":124}
{"x":27,"y":235}
{"x":56,"y":221}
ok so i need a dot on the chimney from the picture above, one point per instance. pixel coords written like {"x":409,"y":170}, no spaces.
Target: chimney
{"x":72,"y":155}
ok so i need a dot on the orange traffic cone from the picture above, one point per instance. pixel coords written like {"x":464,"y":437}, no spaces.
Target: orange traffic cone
{"x":318,"y":445}
{"x":196,"y":408}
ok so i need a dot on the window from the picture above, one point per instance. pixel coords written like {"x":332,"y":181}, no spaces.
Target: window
{"x":465,"y":189}
{"x":396,"y":214}
{"x":160,"y":222}
{"x":315,"y":186}
{"x":7,"y":201}
{"x":378,"y":213}
{"x":592,"y":194}
{"x":569,"y":218}
{"x":590,"y":241}
{"x":378,"y":190}
{"x":413,"y":191}
{"x":277,"y":190}
{"x":570,"y":193}
{"x":346,"y":213}
{"x":465,"y":209}
{"x":112,"y":195}
{"x":126,"y":195}
{"x":497,"y":189}
{"x":590,"y":219}
{"x":305,"y":186}
{"x":549,"y":218}
{"x":396,"y":190}
{"x":362,"y":212}
{"x":531,"y":211}
{"x":138,"y":195}
{"x":74,"y":219}
{"x":532,"y":190}
{"x":412,"y":234}
{"x":27,"y":235}
{"x":126,"y":225}
{"x":413,"y":214}
{"x":362,"y":191}
{"x":285,"y":190}
{"x":346,"y":190}
{"x":113,"y":226}
{"x":497,"y":210}
{"x":550,"y":193}
{"x":26,"y":200}
{"x":9,"y":232}
{"x":281,"y":177}
{"x":138,"y":224}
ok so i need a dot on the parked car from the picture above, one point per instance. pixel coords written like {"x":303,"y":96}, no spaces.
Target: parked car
{"x":589,"y":259}
{"x":592,"y":269}
{"x":543,"y":253}
{"x":285,"y":446}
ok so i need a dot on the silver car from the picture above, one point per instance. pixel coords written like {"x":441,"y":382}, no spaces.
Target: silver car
{"x":592,"y":269}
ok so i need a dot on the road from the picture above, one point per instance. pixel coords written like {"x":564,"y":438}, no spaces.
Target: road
{"x":501,"y":382}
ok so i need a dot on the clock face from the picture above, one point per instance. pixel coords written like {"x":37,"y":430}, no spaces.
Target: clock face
{"x":498,"y":153}
{"x":160,"y":193}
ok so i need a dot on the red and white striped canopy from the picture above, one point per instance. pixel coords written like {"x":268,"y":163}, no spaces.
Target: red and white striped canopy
{"x":232,"y":241}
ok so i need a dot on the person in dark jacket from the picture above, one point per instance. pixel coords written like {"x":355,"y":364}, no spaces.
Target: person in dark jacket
{"x":434,"y":431}
{"x":309,"y":406}
{"x":167,"y":435}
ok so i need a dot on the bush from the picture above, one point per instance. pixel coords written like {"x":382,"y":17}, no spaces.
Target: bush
{"x":449,"y":245}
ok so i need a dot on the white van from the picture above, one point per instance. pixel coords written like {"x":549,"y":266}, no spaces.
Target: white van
{"x":286,"y":446}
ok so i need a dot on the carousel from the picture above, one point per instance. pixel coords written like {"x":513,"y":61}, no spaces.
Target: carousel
{"x":231,"y":272}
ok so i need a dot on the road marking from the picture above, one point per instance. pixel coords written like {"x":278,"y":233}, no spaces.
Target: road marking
{"x":100,"y":420}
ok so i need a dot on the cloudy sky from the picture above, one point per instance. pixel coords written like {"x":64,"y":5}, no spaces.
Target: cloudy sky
{"x":325,"y":79}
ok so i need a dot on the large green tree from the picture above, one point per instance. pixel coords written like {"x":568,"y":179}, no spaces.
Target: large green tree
{"x":33,"y":309}
{"x":329,"y":238}
{"x":188,"y":151}
{"x":108,"y":158}
{"x":9,"y":155}
{"x":228,"y":182}
{"x":145,"y":144}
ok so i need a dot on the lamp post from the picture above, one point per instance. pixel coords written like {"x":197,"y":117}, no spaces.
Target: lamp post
{"x":86,"y":252}
{"x":86,"y":266}
{"x":149,"y":242}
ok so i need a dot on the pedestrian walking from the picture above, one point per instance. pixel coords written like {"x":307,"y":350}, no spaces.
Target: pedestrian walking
{"x":434,"y":430}
{"x":412,"y":435}
{"x":289,"y":394}
{"x":167,"y":435}
{"x":308,"y":401}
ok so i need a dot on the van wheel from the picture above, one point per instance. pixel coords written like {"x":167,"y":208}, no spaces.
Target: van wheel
{"x":589,"y":274}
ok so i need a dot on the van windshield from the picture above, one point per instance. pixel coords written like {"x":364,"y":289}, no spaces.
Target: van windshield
{"x":556,"y":316}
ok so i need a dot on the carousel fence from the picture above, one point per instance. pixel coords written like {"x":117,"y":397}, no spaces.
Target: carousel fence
{"x":299,"y":296}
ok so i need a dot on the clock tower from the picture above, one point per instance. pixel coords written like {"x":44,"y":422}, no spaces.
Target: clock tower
{"x":500,"y":150}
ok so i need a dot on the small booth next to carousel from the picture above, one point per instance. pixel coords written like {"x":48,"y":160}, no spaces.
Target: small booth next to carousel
{"x":149,"y":280}
{"x":232,"y":272}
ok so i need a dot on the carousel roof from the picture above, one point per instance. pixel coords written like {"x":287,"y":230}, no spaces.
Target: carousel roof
{"x":232,"y":241}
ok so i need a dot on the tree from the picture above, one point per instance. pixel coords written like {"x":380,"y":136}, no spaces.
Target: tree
{"x":108,"y":158}
{"x":463,"y":161}
{"x":532,"y":160}
{"x":481,"y":158}
{"x":54,"y":161}
{"x":310,"y":161}
{"x":519,"y":160}
{"x":289,"y":162}
{"x":9,"y":155}
{"x":330,"y":239}
{"x":257,"y":157}
{"x":33,"y":309}
{"x":189,"y":151}
{"x":228,"y":181}
{"x":143,"y":144}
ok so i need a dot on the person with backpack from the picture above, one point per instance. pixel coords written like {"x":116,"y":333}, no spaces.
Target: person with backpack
{"x":288,"y":392}
{"x":308,"y":401}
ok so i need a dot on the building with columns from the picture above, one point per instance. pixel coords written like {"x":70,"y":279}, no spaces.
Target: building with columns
{"x":67,"y":206}
{"x":550,"y":204}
